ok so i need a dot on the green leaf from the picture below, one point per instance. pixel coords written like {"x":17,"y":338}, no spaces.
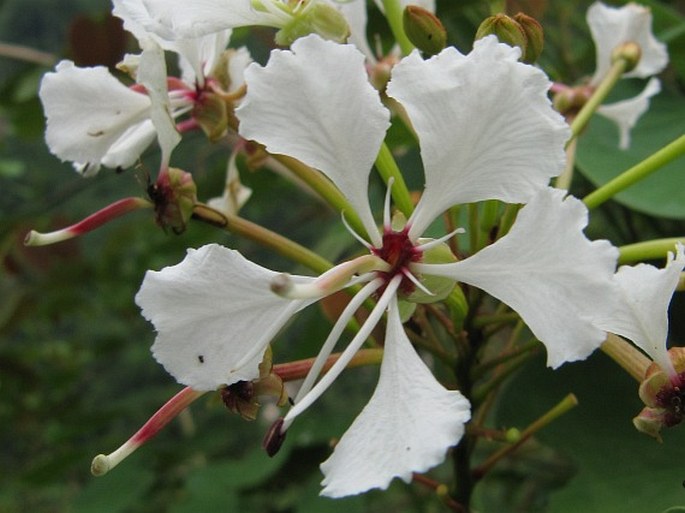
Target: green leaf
{"x":600,"y":159}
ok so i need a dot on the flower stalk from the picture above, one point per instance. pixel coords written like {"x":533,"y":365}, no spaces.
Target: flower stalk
{"x":268,"y":239}
{"x":570,"y":401}
{"x":647,"y":250}
{"x":387,"y":169}
{"x":636,"y":173}
{"x":324,"y":188}
{"x":393,"y":13}
{"x":619,"y":66}
{"x":627,"y":356}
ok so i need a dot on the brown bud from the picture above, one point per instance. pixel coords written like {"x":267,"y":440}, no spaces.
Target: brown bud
{"x":506,"y":29}
{"x":535,"y":37}
{"x":424,"y":30}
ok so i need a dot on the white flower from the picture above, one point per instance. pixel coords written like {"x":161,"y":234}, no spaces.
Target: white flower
{"x":94,"y":120}
{"x":644,"y":293}
{"x":487,"y":131}
{"x":610,"y":28}
{"x":179,"y":19}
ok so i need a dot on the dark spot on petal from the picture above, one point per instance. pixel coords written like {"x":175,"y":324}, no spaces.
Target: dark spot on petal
{"x":200,"y":358}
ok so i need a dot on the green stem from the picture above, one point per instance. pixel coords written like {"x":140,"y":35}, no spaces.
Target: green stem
{"x":489,"y":219}
{"x":483,"y":320}
{"x":387,"y":168}
{"x":570,"y":401}
{"x":564,"y":180}
{"x":263,"y":236}
{"x":601,"y":92}
{"x":480,"y":369}
{"x":647,"y":250}
{"x":636,"y":173}
{"x":514,"y":363}
{"x":508,"y":218}
{"x":324,"y":188}
{"x":393,"y":13}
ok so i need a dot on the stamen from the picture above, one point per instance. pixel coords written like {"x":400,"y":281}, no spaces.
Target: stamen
{"x":90,"y":223}
{"x":437,"y":242}
{"x":329,"y":282}
{"x":104,"y":463}
{"x":347,"y":354}
{"x":334,"y":336}
{"x":353,"y":233}
{"x":415,"y":281}
{"x":386,"y":205}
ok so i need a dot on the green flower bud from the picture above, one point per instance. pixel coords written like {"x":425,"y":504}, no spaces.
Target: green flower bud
{"x":506,"y":29}
{"x":174,"y":195}
{"x":629,"y":52}
{"x":424,"y":30}
{"x":321,"y":18}
{"x":535,"y":37}
{"x":211,"y":114}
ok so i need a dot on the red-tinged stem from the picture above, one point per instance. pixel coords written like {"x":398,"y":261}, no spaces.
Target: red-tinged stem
{"x":90,"y":223}
{"x":298,"y":369}
{"x":187,"y":125}
{"x":104,"y":463}
{"x":441,"y":491}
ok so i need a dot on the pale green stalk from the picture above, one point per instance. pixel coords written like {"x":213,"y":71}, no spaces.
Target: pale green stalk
{"x":393,"y":13}
{"x":324,"y":188}
{"x":626,"y":355}
{"x":570,"y":401}
{"x":648,"y":250}
{"x":605,"y":86}
{"x":387,"y":168}
{"x":636,"y":173}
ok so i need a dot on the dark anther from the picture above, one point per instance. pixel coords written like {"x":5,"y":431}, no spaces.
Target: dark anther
{"x":274,"y":438}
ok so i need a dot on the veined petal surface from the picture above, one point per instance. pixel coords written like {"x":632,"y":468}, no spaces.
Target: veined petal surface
{"x":625,"y":113}
{"x":645,"y":292}
{"x":182,"y":19}
{"x":486,"y":126}
{"x":406,"y":427}
{"x":545,"y":268}
{"x":314,"y":103}
{"x":613,"y":26}
{"x":88,"y":111}
{"x":210,"y":311}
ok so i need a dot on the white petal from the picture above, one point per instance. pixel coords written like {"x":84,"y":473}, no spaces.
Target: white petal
{"x":315,"y":103}
{"x":646,"y":292}
{"x":211,"y":311}
{"x":613,"y":26}
{"x":235,"y":193}
{"x":238,"y":61}
{"x":550,"y":273}
{"x":198,"y":55}
{"x":486,"y":126}
{"x":354,"y":12}
{"x":182,"y":19}
{"x":128,"y":148}
{"x":152,"y":75}
{"x":88,"y":111}
{"x":625,"y":113}
{"x":406,"y":427}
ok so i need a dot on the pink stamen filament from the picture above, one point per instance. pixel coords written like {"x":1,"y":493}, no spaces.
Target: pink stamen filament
{"x":104,"y":463}
{"x":90,"y":223}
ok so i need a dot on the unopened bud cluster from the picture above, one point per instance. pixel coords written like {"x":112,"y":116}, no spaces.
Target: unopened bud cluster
{"x":520,"y":30}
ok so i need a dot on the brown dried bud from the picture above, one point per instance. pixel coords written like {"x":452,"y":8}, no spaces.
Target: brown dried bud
{"x":424,"y":30}
{"x":535,"y":37}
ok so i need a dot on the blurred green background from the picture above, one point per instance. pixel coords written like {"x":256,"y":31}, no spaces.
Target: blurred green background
{"x":77,"y":378}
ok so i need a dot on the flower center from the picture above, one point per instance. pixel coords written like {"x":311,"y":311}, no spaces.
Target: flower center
{"x":398,"y":251}
{"x":672,"y":399}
